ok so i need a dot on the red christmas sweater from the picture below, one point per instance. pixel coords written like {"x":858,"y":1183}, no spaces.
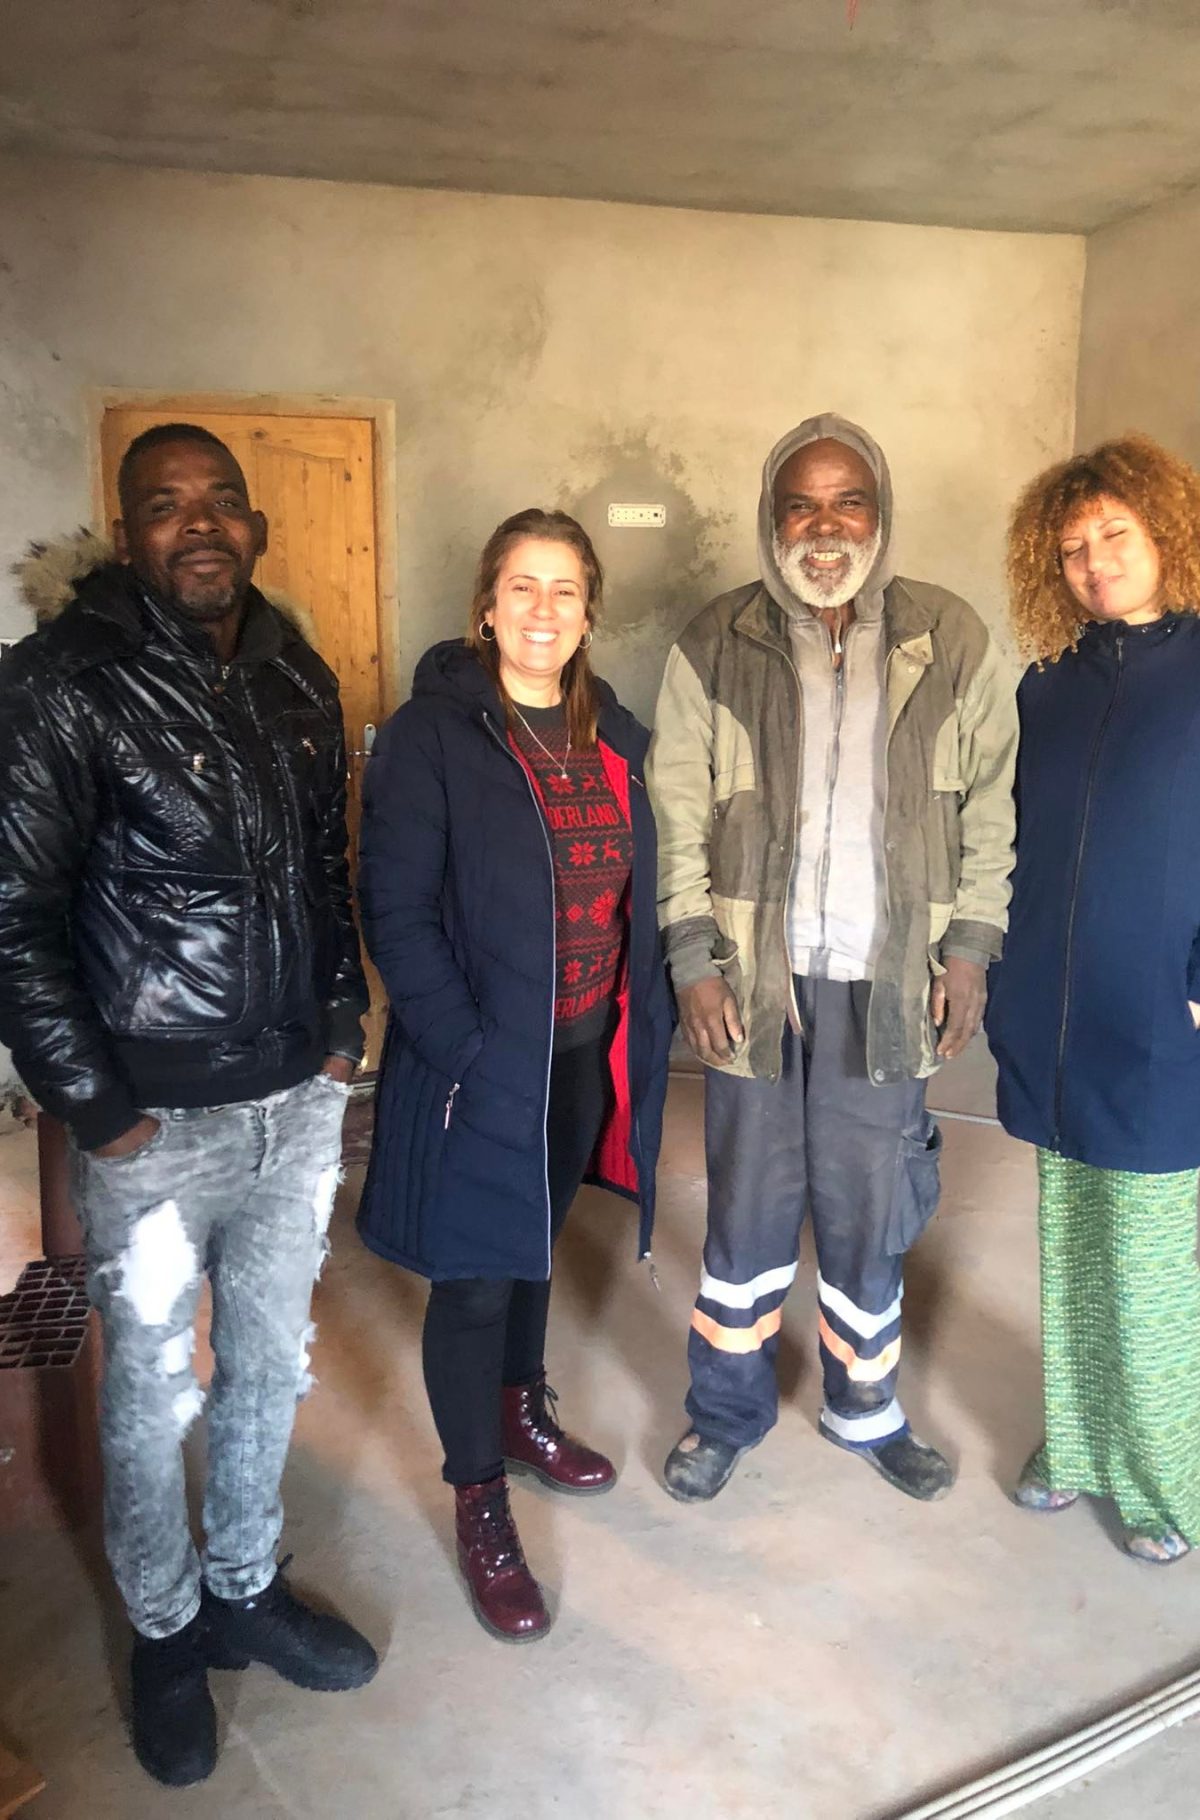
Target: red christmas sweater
{"x":592,"y":848}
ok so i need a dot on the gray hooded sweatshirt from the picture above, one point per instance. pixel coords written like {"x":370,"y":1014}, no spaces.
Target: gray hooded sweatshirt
{"x":837,"y":901}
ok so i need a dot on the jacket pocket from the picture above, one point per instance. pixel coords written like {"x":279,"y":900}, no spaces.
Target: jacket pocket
{"x":122,"y":1008}
{"x":193,"y":964}
{"x":304,"y":739}
{"x":485,"y":1105}
{"x":915,"y":1186}
{"x":128,"y":1163}
{"x":411,"y":1128}
{"x":745,"y":858}
{"x":170,"y":792}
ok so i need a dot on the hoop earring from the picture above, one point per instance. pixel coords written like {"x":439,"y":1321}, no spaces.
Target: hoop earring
{"x":585,"y":643}
{"x":487,"y":633}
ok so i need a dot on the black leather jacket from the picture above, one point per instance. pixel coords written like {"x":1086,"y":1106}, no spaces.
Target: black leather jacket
{"x":175,"y":921}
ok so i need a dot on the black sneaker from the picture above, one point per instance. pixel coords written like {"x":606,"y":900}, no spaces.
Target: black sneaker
{"x":173,"y":1720}
{"x":697,"y":1467}
{"x":306,"y":1647}
{"x":910,"y":1465}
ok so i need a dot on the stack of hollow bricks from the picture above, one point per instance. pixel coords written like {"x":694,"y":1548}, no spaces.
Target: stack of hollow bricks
{"x":49,"y":1457}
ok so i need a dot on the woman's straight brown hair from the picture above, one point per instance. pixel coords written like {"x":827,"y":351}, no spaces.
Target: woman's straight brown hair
{"x":579,"y":692}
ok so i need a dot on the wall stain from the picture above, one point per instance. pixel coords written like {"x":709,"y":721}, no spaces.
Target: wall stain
{"x":655,"y":580}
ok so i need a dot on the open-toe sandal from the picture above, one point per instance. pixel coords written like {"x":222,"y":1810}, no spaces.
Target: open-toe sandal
{"x":1032,"y":1493}
{"x":1159,"y":1551}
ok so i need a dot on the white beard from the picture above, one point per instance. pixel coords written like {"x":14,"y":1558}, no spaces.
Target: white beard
{"x":812,"y":589}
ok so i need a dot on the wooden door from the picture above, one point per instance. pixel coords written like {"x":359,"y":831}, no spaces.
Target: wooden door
{"x":314,"y":477}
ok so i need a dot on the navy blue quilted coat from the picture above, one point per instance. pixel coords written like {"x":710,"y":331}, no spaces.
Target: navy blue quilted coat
{"x":1088,"y":1020}
{"x":457,"y":890}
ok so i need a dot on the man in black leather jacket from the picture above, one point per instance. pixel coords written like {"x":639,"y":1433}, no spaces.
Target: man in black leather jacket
{"x":180,"y":983}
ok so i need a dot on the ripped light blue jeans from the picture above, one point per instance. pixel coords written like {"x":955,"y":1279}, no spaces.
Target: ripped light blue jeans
{"x":244,"y":1194}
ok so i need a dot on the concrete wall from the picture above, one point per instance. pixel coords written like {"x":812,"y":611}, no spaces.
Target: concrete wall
{"x":542,"y":351}
{"x":1139,"y":359}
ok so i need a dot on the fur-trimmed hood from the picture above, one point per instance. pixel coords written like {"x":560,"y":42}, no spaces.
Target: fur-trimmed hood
{"x":49,"y":574}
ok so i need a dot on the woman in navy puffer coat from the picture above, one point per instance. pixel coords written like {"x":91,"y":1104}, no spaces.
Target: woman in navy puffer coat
{"x":1095,"y":1006}
{"x":507,"y":881}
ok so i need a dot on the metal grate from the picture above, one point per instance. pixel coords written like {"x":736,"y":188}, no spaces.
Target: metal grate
{"x":44,"y":1321}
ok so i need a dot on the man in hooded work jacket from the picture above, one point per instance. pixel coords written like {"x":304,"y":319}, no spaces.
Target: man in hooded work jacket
{"x":832,"y":777}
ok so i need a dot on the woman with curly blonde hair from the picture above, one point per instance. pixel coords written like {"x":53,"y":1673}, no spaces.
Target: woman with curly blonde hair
{"x":1095,"y":1008}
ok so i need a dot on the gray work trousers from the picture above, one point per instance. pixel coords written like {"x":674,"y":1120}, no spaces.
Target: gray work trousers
{"x":863,"y":1160}
{"x":242,"y":1193}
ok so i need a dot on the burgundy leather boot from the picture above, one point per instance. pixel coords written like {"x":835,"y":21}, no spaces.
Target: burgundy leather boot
{"x":534,"y":1442}
{"x":507,"y":1599}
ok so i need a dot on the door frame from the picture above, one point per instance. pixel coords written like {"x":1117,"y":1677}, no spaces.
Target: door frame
{"x":380,"y":412}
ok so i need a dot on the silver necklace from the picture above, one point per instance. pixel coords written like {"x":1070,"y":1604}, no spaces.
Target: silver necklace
{"x":540,"y":742}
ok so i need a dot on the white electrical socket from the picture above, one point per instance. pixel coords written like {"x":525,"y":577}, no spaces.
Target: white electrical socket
{"x":647,"y":516}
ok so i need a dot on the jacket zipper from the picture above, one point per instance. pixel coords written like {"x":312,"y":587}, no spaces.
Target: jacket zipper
{"x":1093,"y":764}
{"x":294,"y":868}
{"x":835,"y":759}
{"x":886,"y":658}
{"x":278,"y":772}
{"x":793,"y":1007}
{"x":509,"y":753}
{"x":450,"y":1102}
{"x":254,"y":825}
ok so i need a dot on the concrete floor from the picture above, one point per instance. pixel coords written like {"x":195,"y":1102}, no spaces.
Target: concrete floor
{"x":811,"y":1645}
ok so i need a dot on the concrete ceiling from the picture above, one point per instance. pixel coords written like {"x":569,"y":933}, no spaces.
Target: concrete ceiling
{"x":1037,"y":114}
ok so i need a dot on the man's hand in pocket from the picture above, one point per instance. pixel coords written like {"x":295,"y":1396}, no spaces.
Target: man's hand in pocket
{"x":130,"y":1140}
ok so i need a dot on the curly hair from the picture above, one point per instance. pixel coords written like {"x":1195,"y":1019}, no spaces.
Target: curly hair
{"x":1154,"y":485}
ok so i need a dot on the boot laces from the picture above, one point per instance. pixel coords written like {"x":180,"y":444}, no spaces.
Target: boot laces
{"x":497,"y":1529}
{"x":549,"y":1412}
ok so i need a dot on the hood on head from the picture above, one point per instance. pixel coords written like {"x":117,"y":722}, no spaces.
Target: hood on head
{"x":49,"y":575}
{"x":817,"y":429}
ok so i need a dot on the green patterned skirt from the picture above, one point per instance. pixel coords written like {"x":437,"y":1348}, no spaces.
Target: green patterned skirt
{"x":1121,"y":1341}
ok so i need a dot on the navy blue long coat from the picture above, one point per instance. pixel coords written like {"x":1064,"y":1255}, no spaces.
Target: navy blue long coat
{"x":1088,"y":1019}
{"x":457,"y":890}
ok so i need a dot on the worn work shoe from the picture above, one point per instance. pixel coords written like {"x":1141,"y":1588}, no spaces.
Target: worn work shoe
{"x":308,"y":1648}
{"x":174,"y":1722}
{"x":507,"y":1599}
{"x":698,"y":1467}
{"x":534,"y":1442}
{"x":910,"y":1465}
